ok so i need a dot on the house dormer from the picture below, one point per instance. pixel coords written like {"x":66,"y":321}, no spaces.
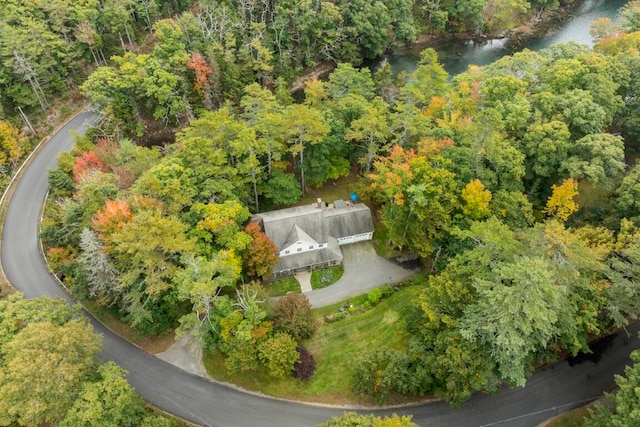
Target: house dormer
{"x":298,"y":241}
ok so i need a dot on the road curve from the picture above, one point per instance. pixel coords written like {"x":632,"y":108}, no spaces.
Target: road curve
{"x":201,"y":401}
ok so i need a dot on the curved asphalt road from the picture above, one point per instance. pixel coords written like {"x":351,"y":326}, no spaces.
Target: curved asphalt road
{"x":550,"y":391}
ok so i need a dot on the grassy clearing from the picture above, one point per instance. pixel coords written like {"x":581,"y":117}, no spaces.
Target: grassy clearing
{"x":335,"y":189}
{"x":280,"y":287}
{"x":574,"y":418}
{"x":326,"y":276}
{"x":336,"y":347}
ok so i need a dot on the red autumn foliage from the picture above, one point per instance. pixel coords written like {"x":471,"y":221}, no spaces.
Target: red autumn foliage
{"x":86,"y":164}
{"x":261,"y":255}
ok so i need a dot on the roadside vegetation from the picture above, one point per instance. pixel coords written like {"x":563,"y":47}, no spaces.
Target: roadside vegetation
{"x":343,"y":332}
{"x":575,"y":418}
{"x":50,"y":372}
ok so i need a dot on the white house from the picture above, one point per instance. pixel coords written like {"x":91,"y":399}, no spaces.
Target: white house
{"x":310,"y":236}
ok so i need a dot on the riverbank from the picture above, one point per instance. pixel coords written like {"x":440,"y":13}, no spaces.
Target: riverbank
{"x":535,"y":27}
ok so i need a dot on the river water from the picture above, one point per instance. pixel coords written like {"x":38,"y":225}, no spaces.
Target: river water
{"x":457,"y":55}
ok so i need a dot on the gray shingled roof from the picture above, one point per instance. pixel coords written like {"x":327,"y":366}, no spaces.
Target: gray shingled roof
{"x":331,"y":253}
{"x":348,"y":221}
{"x":284,"y":227}
{"x":280,"y":225}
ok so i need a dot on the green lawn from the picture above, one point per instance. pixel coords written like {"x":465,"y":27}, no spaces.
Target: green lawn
{"x":574,"y":418}
{"x":326,"y":276}
{"x":280,"y":287}
{"x":336,"y":347}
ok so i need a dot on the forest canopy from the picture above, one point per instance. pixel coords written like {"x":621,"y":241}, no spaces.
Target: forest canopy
{"x":204,"y":53}
{"x":514,"y":183}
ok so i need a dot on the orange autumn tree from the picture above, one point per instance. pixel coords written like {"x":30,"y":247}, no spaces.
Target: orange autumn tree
{"x":202,"y":70}
{"x":562,"y":203}
{"x":111,"y":218}
{"x":261,"y":255}
{"x":417,"y":194}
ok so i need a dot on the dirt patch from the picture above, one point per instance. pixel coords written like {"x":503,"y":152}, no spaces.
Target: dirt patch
{"x":319,"y":71}
{"x":5,"y":290}
{"x":157,"y":345}
{"x":334,"y":189}
{"x":151,"y":344}
{"x":186,"y":354}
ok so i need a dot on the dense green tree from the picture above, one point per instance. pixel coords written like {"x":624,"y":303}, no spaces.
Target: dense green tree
{"x":292,"y":315}
{"x":383,"y":371}
{"x":279,"y":353}
{"x":621,"y":408}
{"x":454,"y":368}
{"x":581,"y":113}
{"x":515,"y":315}
{"x":598,"y":158}
{"x":628,"y":194}
{"x":483,"y":152}
{"x":546,"y":146}
{"x":282,"y":188}
{"x":366,"y":18}
{"x":44,"y":366}
{"x":345,"y":79}
{"x":107,"y":402}
{"x":170,"y":183}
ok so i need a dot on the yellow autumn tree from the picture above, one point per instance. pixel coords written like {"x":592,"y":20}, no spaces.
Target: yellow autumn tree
{"x":476,"y":200}
{"x":561,"y":203}
{"x":12,"y":143}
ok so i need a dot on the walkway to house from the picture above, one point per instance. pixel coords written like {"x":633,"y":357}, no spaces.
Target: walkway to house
{"x":363,"y":271}
{"x":304,"y":278}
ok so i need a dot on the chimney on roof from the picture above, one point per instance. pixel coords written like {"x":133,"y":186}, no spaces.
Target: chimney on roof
{"x":319,"y":203}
